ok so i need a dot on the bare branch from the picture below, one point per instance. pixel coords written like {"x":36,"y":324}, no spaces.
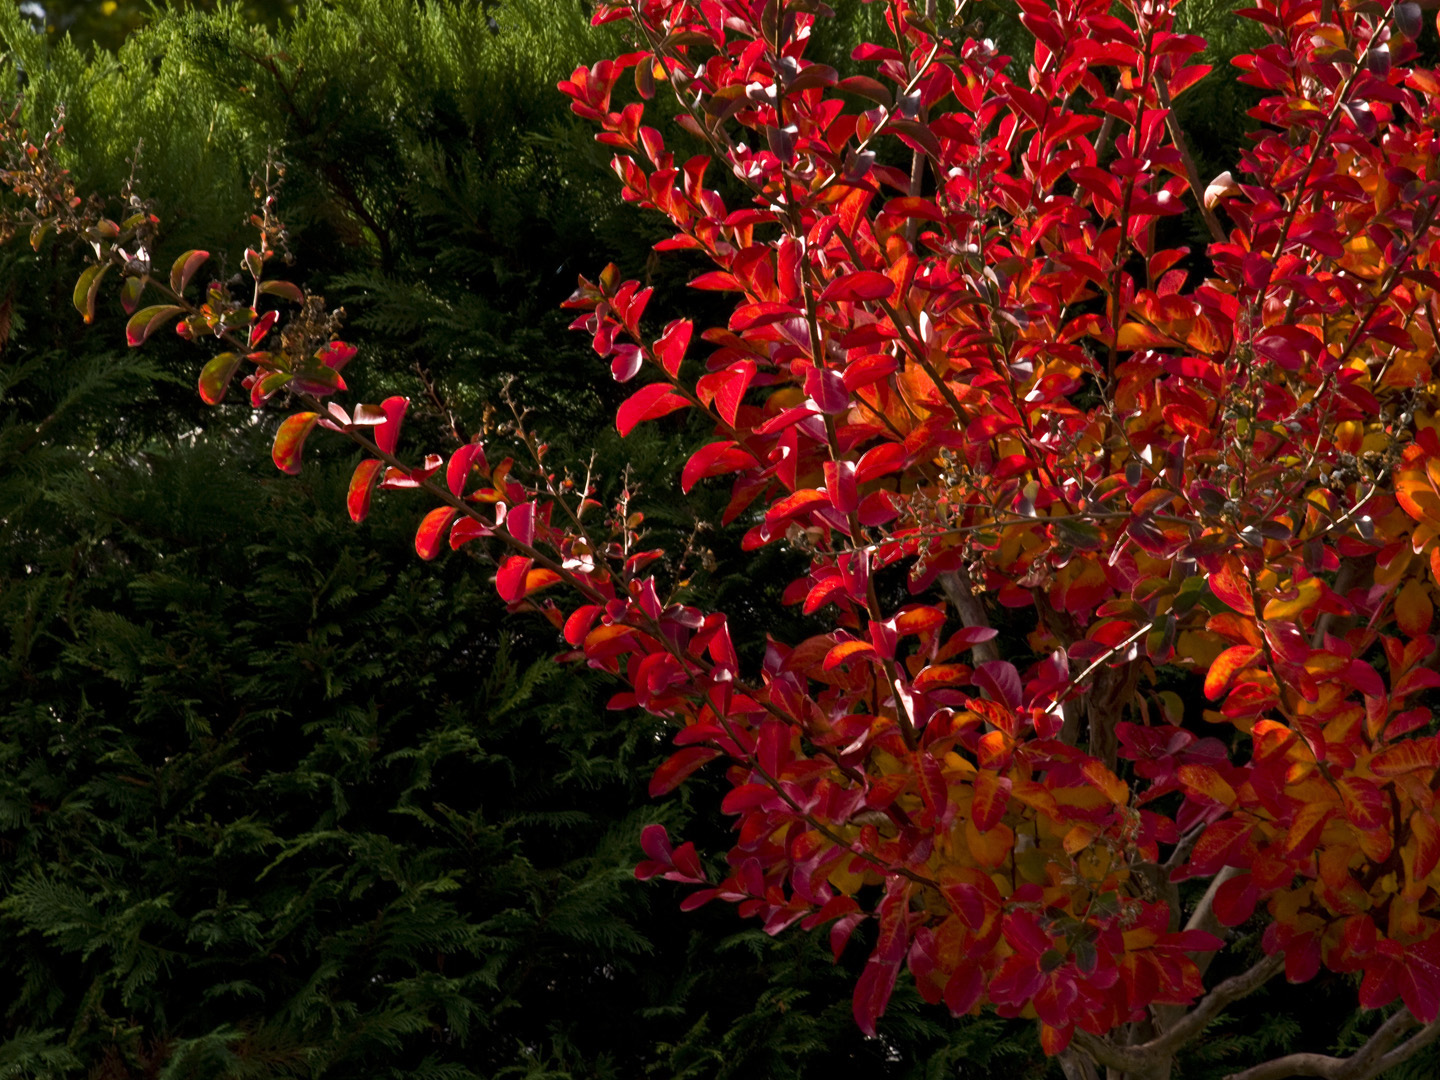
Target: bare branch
{"x":1108,"y":1054}
{"x":1409,"y":1048}
{"x":1203,"y":917}
{"x":1369,"y":1061}
{"x":1211,"y":1005}
{"x":1177,"y":136}
{"x":1076,"y":1067}
{"x":1149,"y":1055}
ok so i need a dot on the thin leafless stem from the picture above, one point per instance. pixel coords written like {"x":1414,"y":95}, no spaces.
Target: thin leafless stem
{"x":1177,"y":136}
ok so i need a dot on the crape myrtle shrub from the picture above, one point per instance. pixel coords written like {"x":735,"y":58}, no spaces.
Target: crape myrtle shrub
{"x":241,"y":839}
{"x":985,"y":376}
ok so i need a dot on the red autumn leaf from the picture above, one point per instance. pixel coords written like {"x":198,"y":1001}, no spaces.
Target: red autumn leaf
{"x":1235,"y":899}
{"x":991,"y":797}
{"x":1232,"y":588}
{"x":1215,"y":846}
{"x":671,"y":345}
{"x":880,"y":461}
{"x":387,"y":434}
{"x":362,"y":486}
{"x":510,"y":579}
{"x":431,"y":535}
{"x":992,"y":393}
{"x":679,"y":765}
{"x":872,"y":993}
{"x":466,"y":529}
{"x":714,"y":459}
{"x":1365,"y":804}
{"x":462,"y":461}
{"x":580,"y":622}
{"x":858,"y":287}
{"x":648,"y":403}
{"x":261,"y":327}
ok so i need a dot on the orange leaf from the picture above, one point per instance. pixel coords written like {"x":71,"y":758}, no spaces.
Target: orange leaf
{"x":1115,"y":789}
{"x":918,"y":619}
{"x":1306,"y":827}
{"x":845,"y":650}
{"x":991,"y":848}
{"x":1226,"y":666}
{"x":1134,"y":335}
{"x":992,"y":794}
{"x":538,"y":579}
{"x":1405,"y":757}
{"x":290,"y":440}
{"x":1079,"y":838}
{"x":1427,"y":843}
{"x":1365,"y":804}
{"x":1204,"y":780}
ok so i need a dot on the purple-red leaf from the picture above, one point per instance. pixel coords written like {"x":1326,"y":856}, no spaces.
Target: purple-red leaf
{"x":678,"y":766}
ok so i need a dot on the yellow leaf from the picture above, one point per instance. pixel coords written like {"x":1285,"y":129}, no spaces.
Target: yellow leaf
{"x":1308,"y":595}
{"x":1079,"y":838}
{"x":991,"y":847}
{"x":1413,"y":609}
{"x":1134,"y":335}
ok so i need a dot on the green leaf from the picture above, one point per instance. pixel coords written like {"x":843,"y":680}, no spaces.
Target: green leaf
{"x":184,"y":269}
{"x":86,"y":289}
{"x":283,"y":289}
{"x":147,"y":320}
{"x":130,"y":293}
